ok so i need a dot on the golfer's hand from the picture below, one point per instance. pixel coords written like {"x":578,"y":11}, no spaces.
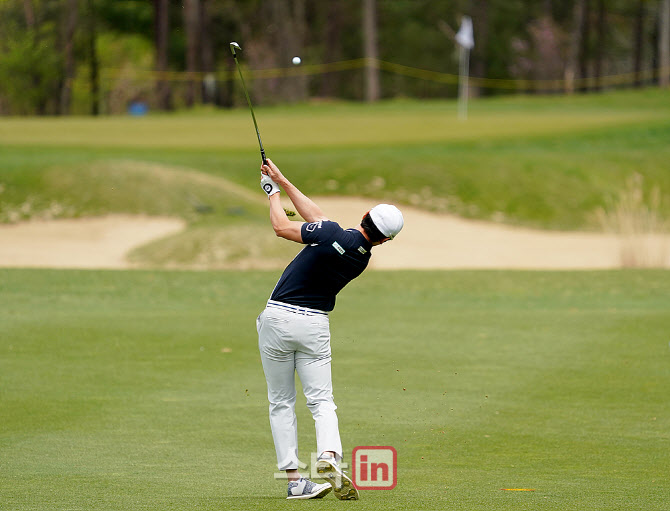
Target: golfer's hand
{"x":273,"y":171}
{"x":268,"y":185}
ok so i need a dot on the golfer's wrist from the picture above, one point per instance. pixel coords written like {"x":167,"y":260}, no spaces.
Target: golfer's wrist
{"x":282,"y":181}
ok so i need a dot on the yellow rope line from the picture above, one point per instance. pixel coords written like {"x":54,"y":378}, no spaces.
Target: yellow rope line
{"x":520,"y":85}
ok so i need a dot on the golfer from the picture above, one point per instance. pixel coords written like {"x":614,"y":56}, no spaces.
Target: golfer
{"x":294,"y":333}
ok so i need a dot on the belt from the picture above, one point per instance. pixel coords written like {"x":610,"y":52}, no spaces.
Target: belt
{"x":295,"y":309}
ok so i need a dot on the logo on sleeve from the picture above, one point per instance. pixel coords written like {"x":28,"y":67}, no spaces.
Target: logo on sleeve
{"x":313,"y":226}
{"x":362,"y":250}
{"x":338,"y":247}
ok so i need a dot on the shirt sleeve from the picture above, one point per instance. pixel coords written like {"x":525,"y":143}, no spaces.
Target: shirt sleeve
{"x":319,"y":232}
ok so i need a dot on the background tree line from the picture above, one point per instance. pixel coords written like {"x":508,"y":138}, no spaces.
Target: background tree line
{"x":93,"y":56}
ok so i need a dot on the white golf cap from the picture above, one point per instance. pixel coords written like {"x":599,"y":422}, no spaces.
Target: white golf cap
{"x":388,"y":219}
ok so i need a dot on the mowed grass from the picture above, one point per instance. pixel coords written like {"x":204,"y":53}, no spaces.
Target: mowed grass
{"x":547,"y":162}
{"x":338,"y":124}
{"x":143,"y":390}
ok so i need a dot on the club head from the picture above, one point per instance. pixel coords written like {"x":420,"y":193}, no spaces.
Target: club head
{"x":234,"y":46}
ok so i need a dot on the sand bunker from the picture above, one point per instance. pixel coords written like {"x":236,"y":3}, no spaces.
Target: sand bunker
{"x":428,"y":241}
{"x":438,"y":241}
{"x":80,"y":243}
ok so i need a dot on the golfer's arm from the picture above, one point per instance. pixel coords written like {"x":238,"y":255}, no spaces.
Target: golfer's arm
{"x":305,"y":206}
{"x":284,"y":228}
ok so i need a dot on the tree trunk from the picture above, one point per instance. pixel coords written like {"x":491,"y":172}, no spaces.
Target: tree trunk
{"x":29,"y":13}
{"x":192,"y":28}
{"x":161,"y":29}
{"x":299,"y":83}
{"x":69,"y":28}
{"x":664,"y":44}
{"x":209,"y":84}
{"x":287,"y":40}
{"x":584,"y":39}
{"x":480,"y":22}
{"x":638,"y":38}
{"x":601,"y":43}
{"x":370,"y":50}
{"x":572,"y":64}
{"x":333,"y":47}
{"x":94,"y":78}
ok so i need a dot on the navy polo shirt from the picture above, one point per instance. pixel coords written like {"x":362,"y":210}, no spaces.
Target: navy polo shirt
{"x":332,"y":258}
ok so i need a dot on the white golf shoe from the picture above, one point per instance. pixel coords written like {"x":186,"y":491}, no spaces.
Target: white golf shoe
{"x":343,"y":487}
{"x":306,"y":489}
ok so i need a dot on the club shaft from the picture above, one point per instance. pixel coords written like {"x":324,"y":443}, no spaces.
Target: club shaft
{"x":251,"y":108}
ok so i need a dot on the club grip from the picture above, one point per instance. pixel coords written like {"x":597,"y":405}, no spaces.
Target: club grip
{"x":263,"y":159}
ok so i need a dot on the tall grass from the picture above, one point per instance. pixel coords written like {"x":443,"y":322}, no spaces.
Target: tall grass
{"x":637,"y":217}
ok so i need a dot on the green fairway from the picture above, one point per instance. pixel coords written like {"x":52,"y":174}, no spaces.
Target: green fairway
{"x":143,"y":390}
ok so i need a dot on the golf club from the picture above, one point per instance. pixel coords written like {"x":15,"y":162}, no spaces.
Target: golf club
{"x":233,"y":47}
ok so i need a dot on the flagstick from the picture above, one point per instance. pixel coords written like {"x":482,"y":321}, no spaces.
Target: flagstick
{"x":464,"y":68}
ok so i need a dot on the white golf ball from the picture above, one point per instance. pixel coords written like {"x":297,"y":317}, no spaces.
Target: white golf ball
{"x":296,"y":61}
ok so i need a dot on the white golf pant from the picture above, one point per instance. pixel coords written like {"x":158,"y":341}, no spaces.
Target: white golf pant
{"x":294,"y":339}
